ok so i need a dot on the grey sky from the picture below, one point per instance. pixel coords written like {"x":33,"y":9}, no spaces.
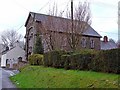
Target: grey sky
{"x":13,"y":14}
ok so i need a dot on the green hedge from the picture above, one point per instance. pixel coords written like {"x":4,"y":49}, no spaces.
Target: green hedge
{"x":79,"y":60}
{"x":102,"y":61}
{"x":36,"y":59}
{"x":107,"y":61}
{"x":53,"y":58}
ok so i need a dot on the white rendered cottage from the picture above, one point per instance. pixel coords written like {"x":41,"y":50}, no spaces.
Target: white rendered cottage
{"x":12,"y":56}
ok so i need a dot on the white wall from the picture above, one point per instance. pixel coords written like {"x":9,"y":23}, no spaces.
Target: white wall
{"x":3,"y":60}
{"x":0,"y":50}
{"x":15,"y":53}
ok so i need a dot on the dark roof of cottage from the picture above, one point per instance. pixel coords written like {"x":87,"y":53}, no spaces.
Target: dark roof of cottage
{"x":42,"y":18}
{"x":108,"y":45}
{"x":5,"y":51}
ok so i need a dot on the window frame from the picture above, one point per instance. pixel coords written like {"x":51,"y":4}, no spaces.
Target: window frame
{"x":92,"y":44}
{"x":83,"y":42}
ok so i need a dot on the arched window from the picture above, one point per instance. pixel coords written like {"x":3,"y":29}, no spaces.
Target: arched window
{"x":83,"y":42}
{"x":92,"y":44}
{"x":19,"y":59}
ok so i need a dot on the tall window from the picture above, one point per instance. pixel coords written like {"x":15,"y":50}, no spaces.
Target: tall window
{"x":92,"y":44}
{"x":83,"y":42}
{"x":64,"y":43}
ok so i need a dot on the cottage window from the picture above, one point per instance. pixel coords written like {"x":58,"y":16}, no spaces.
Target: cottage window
{"x":83,"y":42}
{"x":32,"y":34}
{"x":92,"y":44}
{"x":64,"y":42}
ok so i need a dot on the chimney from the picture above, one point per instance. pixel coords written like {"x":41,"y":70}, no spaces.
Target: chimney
{"x":17,"y":43}
{"x":105,"y":39}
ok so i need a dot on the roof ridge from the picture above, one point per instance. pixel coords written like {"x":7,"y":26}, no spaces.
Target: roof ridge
{"x":43,"y":17}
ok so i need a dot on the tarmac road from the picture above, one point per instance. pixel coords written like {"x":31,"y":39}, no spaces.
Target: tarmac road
{"x":4,"y":79}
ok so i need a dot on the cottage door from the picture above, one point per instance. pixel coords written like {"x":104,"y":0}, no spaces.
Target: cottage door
{"x":11,"y":63}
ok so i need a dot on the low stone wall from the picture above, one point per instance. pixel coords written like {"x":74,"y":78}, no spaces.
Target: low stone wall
{"x":21,"y":64}
{"x":17,"y":65}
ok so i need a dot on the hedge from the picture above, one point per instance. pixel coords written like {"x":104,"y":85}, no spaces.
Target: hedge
{"x":107,"y":61}
{"x":53,"y":58}
{"x":101,"y":61}
{"x":79,"y":60}
{"x":36,"y":59}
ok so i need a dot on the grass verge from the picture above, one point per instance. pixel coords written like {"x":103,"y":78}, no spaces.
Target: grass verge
{"x":44,"y":77}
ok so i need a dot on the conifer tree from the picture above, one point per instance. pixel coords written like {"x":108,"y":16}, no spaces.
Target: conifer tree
{"x":38,"y":47}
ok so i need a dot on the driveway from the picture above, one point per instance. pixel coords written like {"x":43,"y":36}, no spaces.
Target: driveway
{"x":4,"y":79}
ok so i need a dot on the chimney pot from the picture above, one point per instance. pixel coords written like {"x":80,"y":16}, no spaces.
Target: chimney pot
{"x":105,"y":39}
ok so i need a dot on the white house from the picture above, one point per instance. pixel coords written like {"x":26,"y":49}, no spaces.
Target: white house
{"x":12,"y":55}
{"x":1,"y":49}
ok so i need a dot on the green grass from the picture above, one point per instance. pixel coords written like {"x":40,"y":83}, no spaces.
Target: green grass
{"x":44,"y":77}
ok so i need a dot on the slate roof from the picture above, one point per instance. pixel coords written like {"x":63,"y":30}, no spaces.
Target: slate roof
{"x":5,"y":51}
{"x":91,"y":32}
{"x":42,"y":18}
{"x":108,"y":45}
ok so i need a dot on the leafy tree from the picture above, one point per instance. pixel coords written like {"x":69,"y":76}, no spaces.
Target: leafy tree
{"x":38,"y":47}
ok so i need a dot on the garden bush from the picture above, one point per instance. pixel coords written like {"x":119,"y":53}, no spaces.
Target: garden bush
{"x":100,"y":61}
{"x":77,"y":60}
{"x":36,"y":59}
{"x":53,"y":58}
{"x":106,"y":61}
{"x":65,"y":59}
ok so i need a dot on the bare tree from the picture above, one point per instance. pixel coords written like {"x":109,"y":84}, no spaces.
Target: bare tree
{"x":81,"y":21}
{"x":50,"y":28}
{"x":9,"y":37}
{"x":53,"y":26}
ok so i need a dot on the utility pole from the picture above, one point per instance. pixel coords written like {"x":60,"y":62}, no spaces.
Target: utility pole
{"x":118,"y":19}
{"x":72,"y":24}
{"x":72,"y":10}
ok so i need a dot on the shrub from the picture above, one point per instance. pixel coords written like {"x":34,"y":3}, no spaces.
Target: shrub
{"x":36,"y":59}
{"x":65,"y":59}
{"x":38,"y":47}
{"x":53,"y":58}
{"x":77,"y":60}
{"x":102,"y":61}
{"x":106,"y":61}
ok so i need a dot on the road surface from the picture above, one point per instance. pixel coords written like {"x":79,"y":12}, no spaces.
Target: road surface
{"x":4,"y":79}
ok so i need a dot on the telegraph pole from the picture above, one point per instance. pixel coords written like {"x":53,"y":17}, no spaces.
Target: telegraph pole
{"x":72,"y":14}
{"x":118,"y":20}
{"x":72,"y":10}
{"x":72,"y":24}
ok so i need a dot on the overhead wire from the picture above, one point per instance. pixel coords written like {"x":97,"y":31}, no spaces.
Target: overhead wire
{"x":21,"y":5}
{"x":63,"y":12}
{"x":29,"y":11}
{"x":44,"y":6}
{"x":65,"y":7}
{"x":111,"y":33}
{"x":20,"y":27}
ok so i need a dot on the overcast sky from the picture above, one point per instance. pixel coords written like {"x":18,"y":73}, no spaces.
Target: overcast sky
{"x":13,"y":14}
